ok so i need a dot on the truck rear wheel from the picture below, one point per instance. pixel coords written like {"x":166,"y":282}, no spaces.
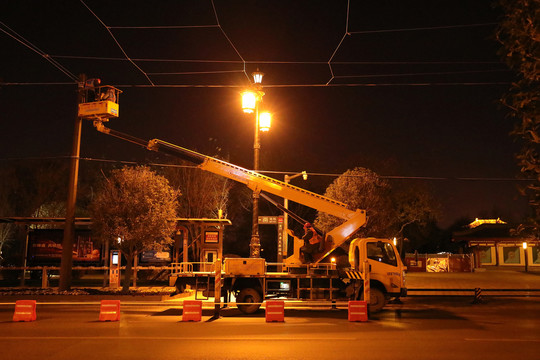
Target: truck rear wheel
{"x":249,"y":295}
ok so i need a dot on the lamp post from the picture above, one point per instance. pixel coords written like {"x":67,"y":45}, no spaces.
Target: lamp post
{"x":287,"y":179}
{"x":250,"y":104}
{"x":525,"y":255}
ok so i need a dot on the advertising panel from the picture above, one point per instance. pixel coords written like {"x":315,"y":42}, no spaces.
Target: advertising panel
{"x":45,"y":246}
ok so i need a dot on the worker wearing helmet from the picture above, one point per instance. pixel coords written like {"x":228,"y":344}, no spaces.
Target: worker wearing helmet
{"x":312,"y":241}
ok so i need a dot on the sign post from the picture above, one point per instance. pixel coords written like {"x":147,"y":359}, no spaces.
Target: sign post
{"x":281,"y":243}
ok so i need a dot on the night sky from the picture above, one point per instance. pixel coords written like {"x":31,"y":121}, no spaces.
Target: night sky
{"x":411,"y":91}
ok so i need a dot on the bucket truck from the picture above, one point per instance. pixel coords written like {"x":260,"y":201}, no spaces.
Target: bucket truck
{"x":250,"y":280}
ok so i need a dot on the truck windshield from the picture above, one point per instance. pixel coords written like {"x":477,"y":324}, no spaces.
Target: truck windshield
{"x":382,"y":252}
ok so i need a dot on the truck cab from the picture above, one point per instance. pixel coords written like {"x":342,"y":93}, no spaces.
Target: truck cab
{"x":387,"y":271}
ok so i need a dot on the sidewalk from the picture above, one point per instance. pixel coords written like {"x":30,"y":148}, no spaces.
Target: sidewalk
{"x":485,"y":280}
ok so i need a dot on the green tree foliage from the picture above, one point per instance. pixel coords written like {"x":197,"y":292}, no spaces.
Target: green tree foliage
{"x":519,"y":34}
{"x":138,"y":207}
{"x":361,"y":188}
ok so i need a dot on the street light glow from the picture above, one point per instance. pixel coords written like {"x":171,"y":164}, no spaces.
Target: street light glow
{"x":249,"y":101}
{"x":265,"y":120}
{"x":524,"y":245}
{"x":257,"y":77}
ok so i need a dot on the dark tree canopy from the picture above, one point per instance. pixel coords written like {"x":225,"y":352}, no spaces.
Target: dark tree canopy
{"x":361,"y":188}
{"x":135,"y":210}
{"x":519,"y":34}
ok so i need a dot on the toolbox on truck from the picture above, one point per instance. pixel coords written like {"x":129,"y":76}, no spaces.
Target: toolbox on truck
{"x":245,"y":266}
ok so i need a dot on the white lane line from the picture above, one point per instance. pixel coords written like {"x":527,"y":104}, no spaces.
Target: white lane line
{"x":504,"y":339}
{"x":153,"y":338}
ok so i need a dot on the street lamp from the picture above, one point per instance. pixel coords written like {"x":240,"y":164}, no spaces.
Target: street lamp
{"x":525,"y":255}
{"x":250,"y":104}
{"x":287,"y":179}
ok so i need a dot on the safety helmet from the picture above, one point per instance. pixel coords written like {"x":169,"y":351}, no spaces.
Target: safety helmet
{"x":307,"y":225}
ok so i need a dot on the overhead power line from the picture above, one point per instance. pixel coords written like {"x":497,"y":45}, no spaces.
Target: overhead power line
{"x":339,"y":45}
{"x":279,"y":61}
{"x":164,"y":27}
{"x":422,"y":28}
{"x":117,"y":42}
{"x":218,"y":86}
{"x":397,"y":177}
{"x":229,"y":40}
{"x":17,"y":37}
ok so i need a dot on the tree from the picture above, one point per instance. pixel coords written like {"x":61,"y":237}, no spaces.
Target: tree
{"x":405,"y":211}
{"x":519,"y":34}
{"x":204,"y":195}
{"x":414,"y":207}
{"x":137,"y":208}
{"x":361,"y":188}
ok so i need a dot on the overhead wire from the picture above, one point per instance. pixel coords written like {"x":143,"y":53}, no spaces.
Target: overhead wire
{"x":339,"y":45}
{"x":281,"y":61}
{"x":117,"y":42}
{"x":244,"y":62}
{"x":19,"y":38}
{"x":276,"y":172}
{"x":422,"y":74}
{"x":229,"y":40}
{"x":165,"y":27}
{"x":421,"y":28}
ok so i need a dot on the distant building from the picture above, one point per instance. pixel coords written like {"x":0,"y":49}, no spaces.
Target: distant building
{"x":492,"y":244}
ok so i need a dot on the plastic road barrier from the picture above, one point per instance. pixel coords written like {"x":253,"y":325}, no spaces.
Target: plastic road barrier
{"x":275,"y":310}
{"x":109,"y":310}
{"x":25,"y":310}
{"x":358,"y":311}
{"x":192,"y":310}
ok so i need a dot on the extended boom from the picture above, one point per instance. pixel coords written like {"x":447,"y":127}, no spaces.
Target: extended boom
{"x":354,"y":219}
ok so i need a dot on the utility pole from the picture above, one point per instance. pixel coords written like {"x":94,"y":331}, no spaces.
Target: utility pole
{"x":66,"y":264}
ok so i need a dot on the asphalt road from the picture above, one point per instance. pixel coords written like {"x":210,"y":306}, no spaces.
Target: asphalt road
{"x":420,"y":328}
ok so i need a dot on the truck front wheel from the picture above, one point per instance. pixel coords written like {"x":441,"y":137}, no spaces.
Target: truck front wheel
{"x":377,"y":301}
{"x":248,"y":296}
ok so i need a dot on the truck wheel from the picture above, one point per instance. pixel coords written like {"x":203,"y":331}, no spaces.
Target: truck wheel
{"x":377,"y":301}
{"x":249,"y":295}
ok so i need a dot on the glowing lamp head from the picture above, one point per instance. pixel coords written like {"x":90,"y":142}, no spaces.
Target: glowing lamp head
{"x":265,"y":120}
{"x":524,"y":245}
{"x":395,"y":242}
{"x":333,"y":260}
{"x":249,"y":101}
{"x":304,"y":175}
{"x":257,"y":76}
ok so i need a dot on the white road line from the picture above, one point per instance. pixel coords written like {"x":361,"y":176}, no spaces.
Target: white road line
{"x":506,"y":340}
{"x":153,"y":338}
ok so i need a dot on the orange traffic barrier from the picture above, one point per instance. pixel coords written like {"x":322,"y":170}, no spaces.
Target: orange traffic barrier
{"x":109,"y":310}
{"x":192,"y":310}
{"x":358,"y":311}
{"x":25,"y":310}
{"x":275,"y":310}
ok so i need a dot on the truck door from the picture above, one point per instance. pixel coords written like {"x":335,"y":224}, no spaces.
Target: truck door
{"x":386,"y":266}
{"x":209,"y":257}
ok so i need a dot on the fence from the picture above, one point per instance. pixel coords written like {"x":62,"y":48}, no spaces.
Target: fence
{"x":439,"y":262}
{"x":31,"y":274}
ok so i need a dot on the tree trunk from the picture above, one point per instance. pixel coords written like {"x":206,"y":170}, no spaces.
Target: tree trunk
{"x":127,"y":273}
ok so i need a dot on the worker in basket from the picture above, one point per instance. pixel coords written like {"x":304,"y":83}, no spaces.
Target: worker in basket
{"x":312,"y":243}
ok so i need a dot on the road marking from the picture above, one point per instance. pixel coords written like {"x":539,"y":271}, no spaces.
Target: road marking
{"x":153,"y":338}
{"x":507,"y":340}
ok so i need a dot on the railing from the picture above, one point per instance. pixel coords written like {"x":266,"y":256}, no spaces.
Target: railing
{"x":46,"y":271}
{"x":192,"y":267}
